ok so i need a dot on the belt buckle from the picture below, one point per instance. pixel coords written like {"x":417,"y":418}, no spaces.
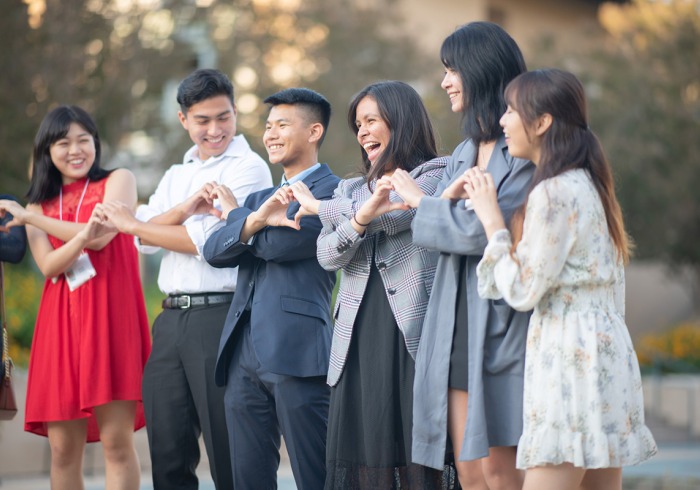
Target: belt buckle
{"x":186,"y":305}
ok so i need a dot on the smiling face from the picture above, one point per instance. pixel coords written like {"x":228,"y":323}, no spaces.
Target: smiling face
{"x":520,"y":143}
{"x":74,"y":154}
{"x":373,"y":133}
{"x":452,"y":84}
{"x":211,"y":125}
{"x":290,"y":138}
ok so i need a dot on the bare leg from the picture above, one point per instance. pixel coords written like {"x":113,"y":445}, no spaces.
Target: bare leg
{"x":67,"y":442}
{"x":602,"y":479}
{"x":470,"y":474}
{"x":554,"y":477}
{"x":500,"y":471}
{"x":116,"y":422}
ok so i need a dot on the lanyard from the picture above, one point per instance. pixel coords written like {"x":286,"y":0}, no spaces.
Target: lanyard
{"x":80,"y":203}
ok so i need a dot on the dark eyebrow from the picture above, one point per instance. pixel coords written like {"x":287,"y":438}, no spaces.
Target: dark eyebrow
{"x":278,"y":120}
{"x":204,"y":118}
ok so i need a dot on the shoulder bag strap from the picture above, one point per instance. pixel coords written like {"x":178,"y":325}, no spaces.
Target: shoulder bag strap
{"x":5,"y":347}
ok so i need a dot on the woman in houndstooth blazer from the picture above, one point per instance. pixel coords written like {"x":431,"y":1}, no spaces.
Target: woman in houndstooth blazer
{"x":385,"y":283}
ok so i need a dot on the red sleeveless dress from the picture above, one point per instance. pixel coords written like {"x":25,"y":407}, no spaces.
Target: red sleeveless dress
{"x":90,"y":345}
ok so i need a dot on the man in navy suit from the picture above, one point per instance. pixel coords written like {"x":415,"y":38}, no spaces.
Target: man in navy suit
{"x":273,"y":353}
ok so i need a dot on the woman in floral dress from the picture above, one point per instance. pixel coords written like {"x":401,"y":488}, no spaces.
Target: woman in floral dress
{"x":583,"y":409}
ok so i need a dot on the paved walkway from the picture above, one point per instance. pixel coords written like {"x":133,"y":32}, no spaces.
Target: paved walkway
{"x":24,"y":460}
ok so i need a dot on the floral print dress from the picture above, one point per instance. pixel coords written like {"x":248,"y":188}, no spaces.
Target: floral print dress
{"x":583,"y":392}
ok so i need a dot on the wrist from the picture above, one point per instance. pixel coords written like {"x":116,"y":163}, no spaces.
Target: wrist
{"x":182,"y":213}
{"x":256,"y":220}
{"x":415,"y":201}
{"x":493,"y":226}
{"x":361,"y":220}
{"x":83,"y":237}
{"x":315,"y":206}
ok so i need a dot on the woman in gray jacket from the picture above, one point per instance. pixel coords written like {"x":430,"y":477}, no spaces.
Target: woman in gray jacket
{"x":469,"y":368}
{"x":385,"y":283}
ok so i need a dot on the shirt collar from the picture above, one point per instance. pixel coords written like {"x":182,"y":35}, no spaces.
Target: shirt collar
{"x":236,"y":148}
{"x":300,"y":176}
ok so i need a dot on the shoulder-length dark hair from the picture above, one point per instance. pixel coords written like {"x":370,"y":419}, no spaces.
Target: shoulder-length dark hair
{"x":412,"y":139}
{"x":568,"y":143}
{"x":486,"y":59}
{"x":46,"y":180}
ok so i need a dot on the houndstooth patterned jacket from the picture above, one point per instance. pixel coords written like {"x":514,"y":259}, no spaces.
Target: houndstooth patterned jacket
{"x":406,"y":270}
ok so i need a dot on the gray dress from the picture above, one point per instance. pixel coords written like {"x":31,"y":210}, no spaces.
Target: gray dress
{"x":496,"y":347}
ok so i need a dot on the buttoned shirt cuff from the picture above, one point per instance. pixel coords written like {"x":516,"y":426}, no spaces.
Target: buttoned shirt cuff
{"x":144,"y":213}
{"x":199,"y":228}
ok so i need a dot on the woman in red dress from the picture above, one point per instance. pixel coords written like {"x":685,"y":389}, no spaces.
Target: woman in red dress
{"x":91,"y":339}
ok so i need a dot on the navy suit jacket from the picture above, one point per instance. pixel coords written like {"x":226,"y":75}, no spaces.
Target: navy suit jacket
{"x":289,"y":292}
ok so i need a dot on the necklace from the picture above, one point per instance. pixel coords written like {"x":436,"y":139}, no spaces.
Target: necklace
{"x":80,"y":203}
{"x":484,"y":154}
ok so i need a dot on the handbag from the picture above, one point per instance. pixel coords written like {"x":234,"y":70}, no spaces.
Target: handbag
{"x":8,"y":404}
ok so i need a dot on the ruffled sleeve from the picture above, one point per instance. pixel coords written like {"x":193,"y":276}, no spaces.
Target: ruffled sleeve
{"x":498,"y":246}
{"x":549,"y":233}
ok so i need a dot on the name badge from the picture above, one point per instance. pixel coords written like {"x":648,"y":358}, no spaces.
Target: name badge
{"x":80,"y":272}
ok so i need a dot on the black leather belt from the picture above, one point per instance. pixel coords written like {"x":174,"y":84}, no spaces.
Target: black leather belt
{"x":184,"y":301}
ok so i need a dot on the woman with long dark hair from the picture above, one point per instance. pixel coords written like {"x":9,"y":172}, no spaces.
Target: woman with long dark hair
{"x":583,"y":407}
{"x":385,"y":283}
{"x":469,"y":368}
{"x":91,"y":339}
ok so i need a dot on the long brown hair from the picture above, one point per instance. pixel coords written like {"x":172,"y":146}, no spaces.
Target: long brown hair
{"x":412,"y":140}
{"x":568,"y":143}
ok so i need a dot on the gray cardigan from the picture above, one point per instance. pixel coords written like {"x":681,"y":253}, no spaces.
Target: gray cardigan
{"x":406,"y":270}
{"x":496,"y":333}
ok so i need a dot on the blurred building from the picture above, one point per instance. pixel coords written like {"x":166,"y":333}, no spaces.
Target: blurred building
{"x":528,"y":21}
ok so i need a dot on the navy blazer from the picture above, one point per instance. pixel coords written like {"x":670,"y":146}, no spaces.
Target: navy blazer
{"x":288,"y":291}
{"x":13,"y":244}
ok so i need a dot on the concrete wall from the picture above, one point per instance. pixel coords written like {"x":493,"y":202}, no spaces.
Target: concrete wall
{"x":656,"y":298}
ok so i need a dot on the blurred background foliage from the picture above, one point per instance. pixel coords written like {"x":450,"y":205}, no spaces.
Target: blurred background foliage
{"x":676,"y":350}
{"x":122,"y":61}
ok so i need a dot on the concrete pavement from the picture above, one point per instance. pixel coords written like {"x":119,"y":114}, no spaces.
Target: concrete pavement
{"x":24,"y":459}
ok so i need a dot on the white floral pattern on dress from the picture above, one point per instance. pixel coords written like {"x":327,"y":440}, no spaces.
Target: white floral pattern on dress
{"x":583,"y":391}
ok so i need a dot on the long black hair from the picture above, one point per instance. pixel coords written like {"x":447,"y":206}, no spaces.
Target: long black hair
{"x":412,"y":139}
{"x":46,"y":180}
{"x":486,"y":59}
{"x":568,"y":143}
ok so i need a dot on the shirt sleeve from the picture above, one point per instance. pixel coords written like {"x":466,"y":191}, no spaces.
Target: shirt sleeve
{"x":549,"y":233}
{"x":245,"y":176}
{"x":159,"y":202}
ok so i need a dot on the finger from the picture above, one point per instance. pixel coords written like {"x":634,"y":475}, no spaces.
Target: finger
{"x":384,"y":184}
{"x":290,"y":223}
{"x":289,"y":193}
{"x":282,"y":196}
{"x":301,"y":186}
{"x":399,"y":206}
{"x":297,"y":217}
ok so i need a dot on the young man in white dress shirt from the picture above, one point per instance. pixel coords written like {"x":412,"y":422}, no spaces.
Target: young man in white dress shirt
{"x":180,"y":397}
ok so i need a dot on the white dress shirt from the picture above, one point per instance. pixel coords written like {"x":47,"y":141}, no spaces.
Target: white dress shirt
{"x":239,"y":168}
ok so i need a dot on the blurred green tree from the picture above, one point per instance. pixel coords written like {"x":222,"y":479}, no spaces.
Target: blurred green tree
{"x":648,"y":114}
{"x":643,"y":87}
{"x":74,"y":52}
{"x":122,"y":60}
